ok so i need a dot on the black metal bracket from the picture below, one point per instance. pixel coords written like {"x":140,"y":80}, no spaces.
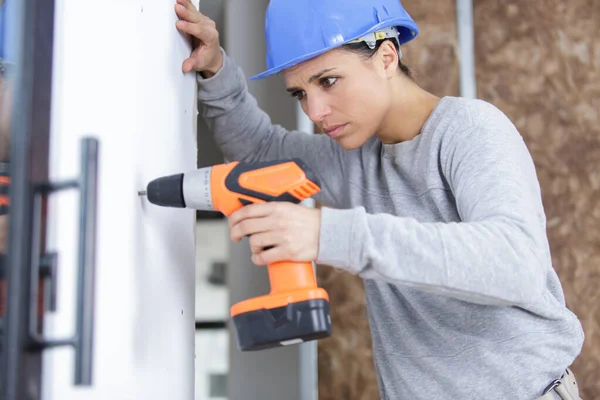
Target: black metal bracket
{"x":49,"y":275}
{"x":46,"y":265}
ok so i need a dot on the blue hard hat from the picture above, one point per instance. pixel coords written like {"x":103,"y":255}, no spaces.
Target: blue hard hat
{"x":298,"y":30}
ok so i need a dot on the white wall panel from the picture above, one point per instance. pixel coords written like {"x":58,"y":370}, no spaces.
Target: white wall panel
{"x":117,"y":76}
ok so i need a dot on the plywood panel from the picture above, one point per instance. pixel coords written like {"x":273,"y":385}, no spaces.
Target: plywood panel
{"x":539,"y":61}
{"x":346,"y":368}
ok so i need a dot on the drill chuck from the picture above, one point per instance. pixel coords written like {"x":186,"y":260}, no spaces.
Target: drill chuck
{"x":167,"y":191}
{"x":189,"y":190}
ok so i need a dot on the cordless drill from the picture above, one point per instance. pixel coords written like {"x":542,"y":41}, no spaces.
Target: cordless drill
{"x":296,"y":310}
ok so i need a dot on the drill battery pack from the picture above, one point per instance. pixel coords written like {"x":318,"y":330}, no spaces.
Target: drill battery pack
{"x":292,"y":324}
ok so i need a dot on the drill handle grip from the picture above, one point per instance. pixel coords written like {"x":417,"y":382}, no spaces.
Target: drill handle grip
{"x":287,"y":276}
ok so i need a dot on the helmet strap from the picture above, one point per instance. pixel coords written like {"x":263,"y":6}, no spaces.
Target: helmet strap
{"x":371,"y":38}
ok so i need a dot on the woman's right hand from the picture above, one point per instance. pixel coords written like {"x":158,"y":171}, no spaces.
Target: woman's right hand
{"x":206,"y":58}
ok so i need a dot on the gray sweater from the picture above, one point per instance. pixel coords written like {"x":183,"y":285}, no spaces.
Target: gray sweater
{"x":448,"y":232}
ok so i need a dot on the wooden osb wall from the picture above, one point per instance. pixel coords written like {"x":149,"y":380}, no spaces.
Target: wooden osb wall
{"x":539,"y":62}
{"x":346,"y":368}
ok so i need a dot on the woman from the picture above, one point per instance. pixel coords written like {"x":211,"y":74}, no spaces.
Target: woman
{"x":433,"y":201}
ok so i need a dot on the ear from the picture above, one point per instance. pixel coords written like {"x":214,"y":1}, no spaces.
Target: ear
{"x":389,"y":58}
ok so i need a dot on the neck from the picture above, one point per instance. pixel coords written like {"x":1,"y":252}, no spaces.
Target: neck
{"x":410,"y":108}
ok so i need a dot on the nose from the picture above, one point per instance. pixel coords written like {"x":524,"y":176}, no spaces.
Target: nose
{"x":316,"y":107}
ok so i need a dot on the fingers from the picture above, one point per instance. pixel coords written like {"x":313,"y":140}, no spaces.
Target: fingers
{"x":270,"y":256}
{"x":187,"y":12}
{"x":206,"y":55}
{"x":249,"y":227}
{"x":205,"y":31}
{"x":192,"y":28}
{"x":263,"y":241}
{"x":251,"y":211}
{"x":187,"y":4}
{"x":190,"y":20}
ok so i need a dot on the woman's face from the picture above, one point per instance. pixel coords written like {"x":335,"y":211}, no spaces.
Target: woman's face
{"x":346,"y":96}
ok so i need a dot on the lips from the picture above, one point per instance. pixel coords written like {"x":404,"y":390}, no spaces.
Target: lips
{"x":334,"y":130}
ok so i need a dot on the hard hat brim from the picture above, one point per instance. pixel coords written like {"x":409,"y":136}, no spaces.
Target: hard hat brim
{"x":402,"y":23}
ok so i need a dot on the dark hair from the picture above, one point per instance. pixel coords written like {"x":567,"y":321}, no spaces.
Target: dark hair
{"x":365,"y":51}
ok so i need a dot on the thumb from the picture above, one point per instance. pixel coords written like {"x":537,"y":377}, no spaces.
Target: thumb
{"x":188,"y":64}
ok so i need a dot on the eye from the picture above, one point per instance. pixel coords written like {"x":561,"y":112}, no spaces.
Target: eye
{"x":328,"y":82}
{"x":299,"y":94}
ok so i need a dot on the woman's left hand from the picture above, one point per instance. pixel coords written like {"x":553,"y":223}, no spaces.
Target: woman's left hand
{"x":290,"y":231}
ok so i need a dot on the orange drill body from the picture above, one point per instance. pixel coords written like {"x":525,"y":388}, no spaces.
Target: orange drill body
{"x":234,"y":183}
{"x":290,"y":281}
{"x":296,"y":309}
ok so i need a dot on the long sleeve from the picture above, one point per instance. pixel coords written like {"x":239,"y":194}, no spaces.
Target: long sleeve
{"x":244,"y":132}
{"x":497,"y":254}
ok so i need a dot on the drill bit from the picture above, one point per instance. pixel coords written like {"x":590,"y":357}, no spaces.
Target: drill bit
{"x":142,"y":193}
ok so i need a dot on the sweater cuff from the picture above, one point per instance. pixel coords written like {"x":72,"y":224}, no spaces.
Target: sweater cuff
{"x":220,"y":84}
{"x":336,"y":247}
